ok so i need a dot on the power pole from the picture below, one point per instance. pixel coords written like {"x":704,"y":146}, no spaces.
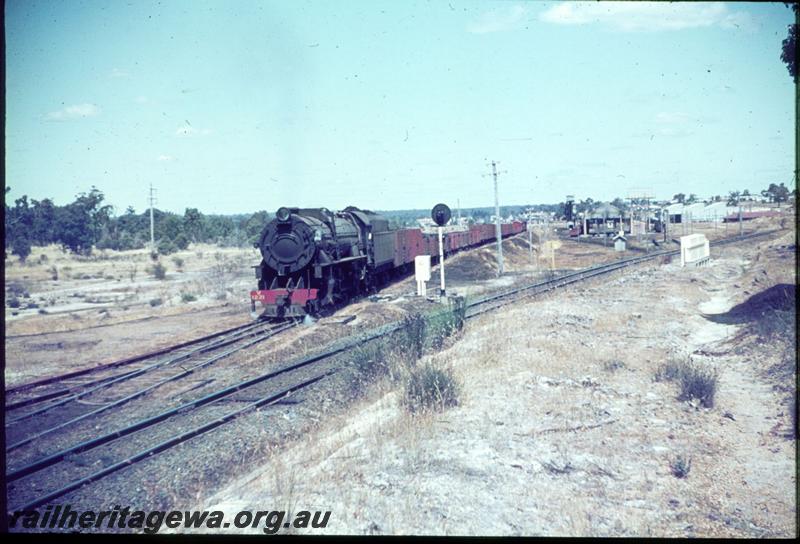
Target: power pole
{"x":152,"y":227}
{"x":458,"y":211}
{"x":529,"y":227}
{"x":740,"y":219}
{"x":498,"y":231}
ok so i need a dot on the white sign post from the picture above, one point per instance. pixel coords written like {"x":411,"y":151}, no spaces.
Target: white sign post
{"x":422,"y":272}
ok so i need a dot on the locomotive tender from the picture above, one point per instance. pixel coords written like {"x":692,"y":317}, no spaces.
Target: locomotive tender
{"x":314,"y":260}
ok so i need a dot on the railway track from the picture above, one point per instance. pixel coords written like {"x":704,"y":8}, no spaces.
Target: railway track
{"x":122,"y":362}
{"x":157,"y":374}
{"x":206,"y":413}
{"x":76,"y":385}
{"x":493,"y":301}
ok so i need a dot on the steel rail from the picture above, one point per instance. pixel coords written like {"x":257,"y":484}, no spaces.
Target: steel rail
{"x":104,"y":383}
{"x":242,"y":331}
{"x":166,"y":444}
{"x":335,"y":349}
{"x":145,"y":390}
{"x":122,"y":362}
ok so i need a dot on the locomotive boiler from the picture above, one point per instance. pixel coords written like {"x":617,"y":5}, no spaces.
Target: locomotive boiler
{"x":313,"y":259}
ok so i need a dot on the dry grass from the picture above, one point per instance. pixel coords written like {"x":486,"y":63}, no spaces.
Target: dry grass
{"x":122,"y":283}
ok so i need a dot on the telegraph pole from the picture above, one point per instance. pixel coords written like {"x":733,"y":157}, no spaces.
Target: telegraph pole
{"x":498,"y":231}
{"x":740,"y":219}
{"x":152,"y":228}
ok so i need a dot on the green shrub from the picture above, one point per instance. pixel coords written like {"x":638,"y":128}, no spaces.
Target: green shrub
{"x":613,"y":365}
{"x":156,"y":302}
{"x":696,"y":381}
{"x":21,"y":247}
{"x":774,"y":323}
{"x":430,"y":388}
{"x":681,"y":466}
{"x":369,"y":361}
{"x":17,"y":289}
{"x":445,"y":323}
{"x":13,"y":302}
{"x":166,"y":247}
{"x":181,"y":241}
{"x":667,"y":372}
{"x":159,"y":271}
{"x":414,"y":330}
{"x":188,"y":297}
{"x":178,"y":262}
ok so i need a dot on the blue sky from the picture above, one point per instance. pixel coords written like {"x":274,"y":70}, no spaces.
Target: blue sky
{"x":235,"y":106}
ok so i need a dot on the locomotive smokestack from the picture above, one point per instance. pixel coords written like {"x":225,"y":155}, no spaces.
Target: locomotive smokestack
{"x":283,"y":214}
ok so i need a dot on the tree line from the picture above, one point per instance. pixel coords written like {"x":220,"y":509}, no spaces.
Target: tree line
{"x":89,"y":222}
{"x":773,"y":193}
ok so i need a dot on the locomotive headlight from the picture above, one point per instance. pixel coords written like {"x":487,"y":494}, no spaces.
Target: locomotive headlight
{"x":283,"y":214}
{"x":317,"y":235}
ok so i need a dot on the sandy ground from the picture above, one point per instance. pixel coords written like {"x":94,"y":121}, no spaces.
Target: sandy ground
{"x":57,"y":291}
{"x":562,"y":428}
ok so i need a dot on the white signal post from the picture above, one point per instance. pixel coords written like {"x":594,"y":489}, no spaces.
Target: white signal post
{"x":441,"y":262}
{"x":441,"y":215}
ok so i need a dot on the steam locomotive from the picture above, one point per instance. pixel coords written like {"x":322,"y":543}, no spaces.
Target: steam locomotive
{"x":314,"y":260}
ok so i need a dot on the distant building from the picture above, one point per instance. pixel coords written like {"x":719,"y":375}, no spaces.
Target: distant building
{"x":701,"y":212}
{"x":747,"y":216}
{"x":604,"y":219}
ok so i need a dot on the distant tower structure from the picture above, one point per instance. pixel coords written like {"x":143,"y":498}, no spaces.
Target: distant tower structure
{"x":640,"y":198}
{"x":569,"y":208}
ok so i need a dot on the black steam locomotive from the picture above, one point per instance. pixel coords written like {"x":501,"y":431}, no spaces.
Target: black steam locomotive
{"x":314,"y":259}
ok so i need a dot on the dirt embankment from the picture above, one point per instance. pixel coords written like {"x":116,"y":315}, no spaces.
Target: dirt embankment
{"x":562,"y":427}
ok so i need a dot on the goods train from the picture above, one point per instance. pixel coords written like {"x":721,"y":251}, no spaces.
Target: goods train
{"x":314,"y":260}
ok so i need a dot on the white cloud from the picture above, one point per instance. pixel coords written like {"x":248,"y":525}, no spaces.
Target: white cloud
{"x":647,"y":16}
{"x":675,"y":124}
{"x":77,"y":111}
{"x":498,"y":19}
{"x":672,"y":118}
{"x":188,"y":130}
